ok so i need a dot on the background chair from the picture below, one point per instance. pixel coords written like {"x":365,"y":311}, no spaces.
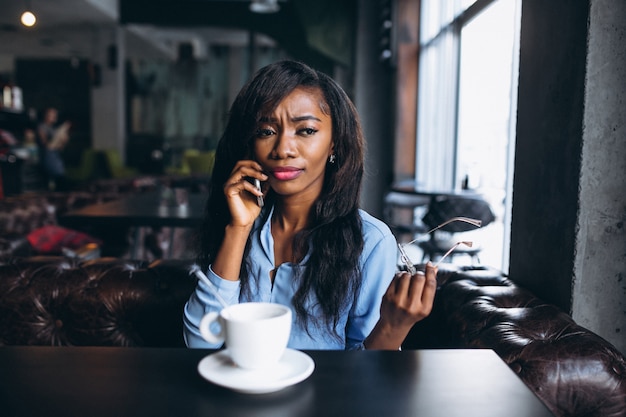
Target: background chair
{"x":115,"y":165}
{"x":402,"y":212}
{"x":445,"y":207}
{"x":201,"y":163}
{"x":183,"y":167}
{"x":88,"y":169}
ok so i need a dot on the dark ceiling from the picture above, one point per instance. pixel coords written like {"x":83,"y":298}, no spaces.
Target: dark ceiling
{"x":319,"y":32}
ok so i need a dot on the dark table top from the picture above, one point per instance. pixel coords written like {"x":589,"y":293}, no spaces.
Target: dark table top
{"x":143,"y":209}
{"x":85,"y":381}
{"x":413,"y":188}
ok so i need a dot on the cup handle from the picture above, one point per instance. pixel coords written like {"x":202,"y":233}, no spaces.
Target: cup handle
{"x":205,"y":330}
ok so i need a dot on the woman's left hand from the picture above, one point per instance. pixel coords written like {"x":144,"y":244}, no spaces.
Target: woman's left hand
{"x":408,"y":300}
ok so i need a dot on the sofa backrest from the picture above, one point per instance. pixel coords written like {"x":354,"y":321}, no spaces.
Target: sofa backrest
{"x":57,"y":301}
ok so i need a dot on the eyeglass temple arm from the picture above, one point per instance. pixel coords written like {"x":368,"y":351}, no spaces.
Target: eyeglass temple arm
{"x":411,"y":268}
{"x":471,"y":221}
{"x":467,"y":243}
{"x":407,"y":261}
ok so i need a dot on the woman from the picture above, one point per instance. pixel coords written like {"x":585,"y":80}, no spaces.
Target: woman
{"x":309,"y":246}
{"x":51,"y":140}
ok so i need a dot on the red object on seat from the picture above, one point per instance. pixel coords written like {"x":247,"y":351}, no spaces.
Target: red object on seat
{"x":52,"y":239}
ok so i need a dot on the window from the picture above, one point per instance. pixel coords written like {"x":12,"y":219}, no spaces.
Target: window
{"x":467,"y":95}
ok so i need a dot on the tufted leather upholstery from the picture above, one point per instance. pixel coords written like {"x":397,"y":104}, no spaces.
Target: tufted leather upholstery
{"x":114,"y":302}
{"x":103,"y":302}
{"x":574,"y":371}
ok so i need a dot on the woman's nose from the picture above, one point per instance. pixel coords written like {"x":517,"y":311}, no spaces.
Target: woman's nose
{"x":285,"y":146}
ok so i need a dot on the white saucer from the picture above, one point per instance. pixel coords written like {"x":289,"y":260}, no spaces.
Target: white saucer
{"x":293,"y":367}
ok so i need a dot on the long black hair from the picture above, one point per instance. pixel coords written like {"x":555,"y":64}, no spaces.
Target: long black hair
{"x":334,"y":238}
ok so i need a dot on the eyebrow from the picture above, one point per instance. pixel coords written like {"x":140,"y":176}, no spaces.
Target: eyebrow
{"x":294,"y":119}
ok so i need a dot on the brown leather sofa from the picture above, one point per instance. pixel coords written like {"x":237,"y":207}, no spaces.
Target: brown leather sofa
{"x":115,"y":302}
{"x":574,"y":371}
{"x":58,"y":301}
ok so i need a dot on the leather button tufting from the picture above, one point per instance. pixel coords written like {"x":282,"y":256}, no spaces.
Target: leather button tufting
{"x":58,"y":323}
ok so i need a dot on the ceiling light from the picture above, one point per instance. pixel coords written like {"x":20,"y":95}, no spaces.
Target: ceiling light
{"x":264,"y":6}
{"x":28,"y":18}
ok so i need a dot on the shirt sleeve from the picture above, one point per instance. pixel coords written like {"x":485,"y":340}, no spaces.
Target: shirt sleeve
{"x":379,"y":266}
{"x":201,"y":302}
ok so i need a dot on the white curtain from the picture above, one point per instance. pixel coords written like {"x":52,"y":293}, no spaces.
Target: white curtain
{"x":436,"y":118}
{"x":437,"y":94}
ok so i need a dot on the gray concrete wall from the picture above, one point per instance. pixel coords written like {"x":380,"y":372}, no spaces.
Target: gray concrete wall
{"x":568,"y":239}
{"x":548,"y":146}
{"x":107,"y":101}
{"x":599,"y":290}
{"x":373,"y":100}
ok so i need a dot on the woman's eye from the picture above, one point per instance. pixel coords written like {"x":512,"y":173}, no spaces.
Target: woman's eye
{"x":308,"y":131}
{"x":264,"y":132}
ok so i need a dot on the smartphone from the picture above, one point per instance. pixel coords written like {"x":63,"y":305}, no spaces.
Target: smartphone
{"x":259,"y":199}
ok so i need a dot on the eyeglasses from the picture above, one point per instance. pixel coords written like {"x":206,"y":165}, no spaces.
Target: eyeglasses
{"x":407,"y":261}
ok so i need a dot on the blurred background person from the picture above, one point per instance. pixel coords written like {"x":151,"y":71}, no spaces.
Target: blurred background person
{"x":51,"y":139}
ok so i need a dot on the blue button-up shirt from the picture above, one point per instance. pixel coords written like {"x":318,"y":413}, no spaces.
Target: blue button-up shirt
{"x":377,"y":263}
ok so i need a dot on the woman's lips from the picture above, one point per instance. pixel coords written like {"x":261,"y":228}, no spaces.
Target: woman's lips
{"x":286,"y":173}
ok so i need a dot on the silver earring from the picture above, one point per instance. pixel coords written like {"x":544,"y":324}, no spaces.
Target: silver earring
{"x":332,"y":158}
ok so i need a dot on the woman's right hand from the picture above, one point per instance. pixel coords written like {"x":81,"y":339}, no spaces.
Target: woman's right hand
{"x":408,"y":300}
{"x":241,"y":194}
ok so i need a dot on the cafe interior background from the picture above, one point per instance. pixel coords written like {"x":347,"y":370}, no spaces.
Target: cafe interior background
{"x":520,"y":100}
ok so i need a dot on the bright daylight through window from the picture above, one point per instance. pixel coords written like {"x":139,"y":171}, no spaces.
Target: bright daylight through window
{"x":467,"y":105}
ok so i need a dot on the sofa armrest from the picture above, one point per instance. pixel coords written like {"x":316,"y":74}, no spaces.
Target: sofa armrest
{"x":574,"y":371}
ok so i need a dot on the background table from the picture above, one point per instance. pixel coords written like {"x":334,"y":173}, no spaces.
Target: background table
{"x":111,"y":220}
{"x":143,"y":209}
{"x":65,"y":381}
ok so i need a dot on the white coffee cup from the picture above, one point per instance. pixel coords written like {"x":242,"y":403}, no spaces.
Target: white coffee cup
{"x":255,"y":334}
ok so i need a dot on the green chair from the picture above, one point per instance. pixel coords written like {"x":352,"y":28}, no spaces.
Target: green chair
{"x":87,"y":170}
{"x":115,"y":165}
{"x":201,"y":164}
{"x":184,"y":169}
